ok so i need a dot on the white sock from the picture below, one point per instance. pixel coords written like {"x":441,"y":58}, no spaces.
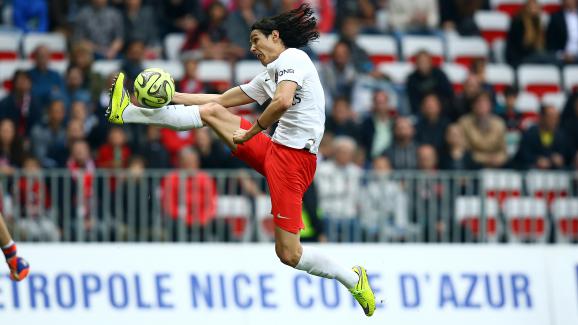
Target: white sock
{"x":318,"y":264}
{"x":8,"y":245}
{"x":176,"y":117}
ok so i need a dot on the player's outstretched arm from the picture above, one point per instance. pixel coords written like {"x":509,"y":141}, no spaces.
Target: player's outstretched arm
{"x":231,"y":98}
{"x":281,"y":102}
{"x":18,"y":266}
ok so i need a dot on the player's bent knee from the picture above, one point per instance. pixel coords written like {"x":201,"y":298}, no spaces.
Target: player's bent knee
{"x":212,"y":110}
{"x":288,"y":256}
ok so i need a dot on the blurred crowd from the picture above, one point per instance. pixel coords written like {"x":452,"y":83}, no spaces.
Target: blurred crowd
{"x":49,"y":120}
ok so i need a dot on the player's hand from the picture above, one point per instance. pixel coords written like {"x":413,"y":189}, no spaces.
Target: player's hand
{"x":240,"y":136}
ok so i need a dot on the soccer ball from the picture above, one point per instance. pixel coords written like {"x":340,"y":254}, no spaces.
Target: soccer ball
{"x":154,"y":88}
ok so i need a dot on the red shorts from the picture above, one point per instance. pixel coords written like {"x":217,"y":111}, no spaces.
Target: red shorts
{"x":288,"y":171}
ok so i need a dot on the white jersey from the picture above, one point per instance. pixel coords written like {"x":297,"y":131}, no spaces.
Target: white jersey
{"x":303,"y":123}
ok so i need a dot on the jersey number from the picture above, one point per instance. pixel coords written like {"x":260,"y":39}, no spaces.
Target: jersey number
{"x":296,"y":100}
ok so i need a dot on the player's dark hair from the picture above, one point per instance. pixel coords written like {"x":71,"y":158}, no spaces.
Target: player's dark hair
{"x":296,"y":28}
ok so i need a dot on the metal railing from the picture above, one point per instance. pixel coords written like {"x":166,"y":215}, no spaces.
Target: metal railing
{"x":233,"y":206}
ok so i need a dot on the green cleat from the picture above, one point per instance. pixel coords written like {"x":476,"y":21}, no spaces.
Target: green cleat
{"x":362,"y":292}
{"x":119,"y":100}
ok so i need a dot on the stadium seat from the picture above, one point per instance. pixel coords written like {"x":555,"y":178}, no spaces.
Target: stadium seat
{"x":56,"y":42}
{"x":265,"y":222}
{"x":499,"y":76}
{"x":529,"y":106}
{"x":324,"y":46}
{"x":379,"y":48}
{"x":547,"y":185}
{"x":7,"y":69}
{"x":247,"y":70}
{"x":173,"y":67}
{"x":565,"y":213}
{"x":526,"y":219}
{"x":550,"y":6}
{"x":510,"y":7}
{"x":9,"y":45}
{"x":236,"y":210}
{"x":570,"y":74}
{"x":410,"y":45}
{"x":173,"y":44}
{"x":464,"y":50}
{"x":216,"y":73}
{"x":397,"y":71}
{"x":557,"y":100}
{"x":468,"y":212}
{"x":493,"y":25}
{"x":457,"y":74}
{"x":501,"y":184}
{"x":539,"y":79}
{"x":106,"y":67}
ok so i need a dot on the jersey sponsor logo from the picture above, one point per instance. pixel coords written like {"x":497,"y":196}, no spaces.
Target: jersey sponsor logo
{"x":285,"y":71}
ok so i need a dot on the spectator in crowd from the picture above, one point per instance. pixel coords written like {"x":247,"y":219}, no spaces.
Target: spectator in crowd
{"x":432,"y":124}
{"x":429,"y":191}
{"x":35,"y":223}
{"x":569,"y":121}
{"x":132,"y":64}
{"x":402,"y":153}
{"x":364,"y":12}
{"x":339,"y":74}
{"x":20,"y":106}
{"x":375,"y":131}
{"x":140,"y":23}
{"x":463,"y":101}
{"x":384,"y":213}
{"x":349,"y":33}
{"x":11,"y":148}
{"x":427,"y":79}
{"x":75,"y":90}
{"x":239,"y":24}
{"x":50,"y":134}
{"x":180,"y":16}
{"x":115,"y":153}
{"x":82,"y":57}
{"x":211,"y":38}
{"x":152,"y":150}
{"x":31,"y":15}
{"x":414,"y":16}
{"x":193,"y":203}
{"x":562,"y":32}
{"x":544,"y":146}
{"x":338,"y":183}
{"x":58,"y":152}
{"x":212,"y":153}
{"x":341,"y":122}
{"x":191,"y":82}
{"x":455,"y":155}
{"x":525,"y":40}
{"x":458,"y":16}
{"x":102,"y":27}
{"x":45,"y":81}
{"x":175,"y":141}
{"x":508,"y":112}
{"x":136,"y":204}
{"x":81,"y":112}
{"x":485,"y":133}
{"x":81,"y":167}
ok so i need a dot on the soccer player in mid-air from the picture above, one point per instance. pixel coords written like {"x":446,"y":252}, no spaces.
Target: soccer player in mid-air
{"x":18,"y":266}
{"x":288,"y":159}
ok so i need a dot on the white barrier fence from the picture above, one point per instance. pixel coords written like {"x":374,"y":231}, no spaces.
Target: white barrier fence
{"x":245,"y":284}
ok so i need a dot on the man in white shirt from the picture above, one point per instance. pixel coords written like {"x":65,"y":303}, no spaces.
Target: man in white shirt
{"x":562,"y":33}
{"x":288,"y":159}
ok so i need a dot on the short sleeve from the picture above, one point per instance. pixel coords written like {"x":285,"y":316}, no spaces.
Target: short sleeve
{"x":290,"y":67}
{"x":255,"y":89}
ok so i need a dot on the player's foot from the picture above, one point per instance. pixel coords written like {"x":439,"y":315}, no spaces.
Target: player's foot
{"x":19,"y":268}
{"x":119,"y":100}
{"x":362,"y":291}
